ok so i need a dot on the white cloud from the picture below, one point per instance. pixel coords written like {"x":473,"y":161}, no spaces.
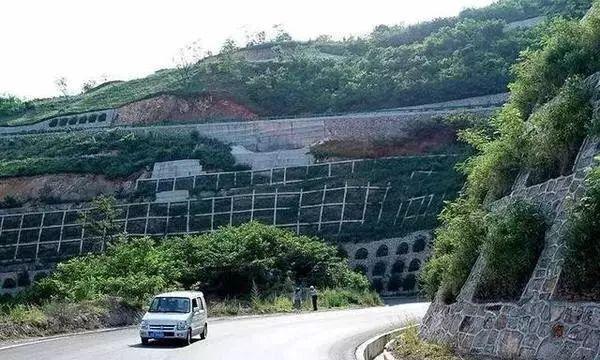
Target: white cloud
{"x":42,"y":40}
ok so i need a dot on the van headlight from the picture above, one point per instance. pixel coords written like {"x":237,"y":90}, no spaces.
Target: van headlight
{"x":182,"y":325}
{"x":144,"y":325}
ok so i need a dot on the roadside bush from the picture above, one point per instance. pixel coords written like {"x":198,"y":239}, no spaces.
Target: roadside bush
{"x":282,"y":303}
{"x":229,"y":260}
{"x":410,"y":346}
{"x":132,"y":270}
{"x":514,"y":240}
{"x":10,"y":202}
{"x":581,"y":270}
{"x":19,"y":320}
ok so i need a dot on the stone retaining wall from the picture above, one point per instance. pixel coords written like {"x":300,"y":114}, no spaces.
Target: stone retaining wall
{"x":537,"y":326}
{"x":270,"y":135}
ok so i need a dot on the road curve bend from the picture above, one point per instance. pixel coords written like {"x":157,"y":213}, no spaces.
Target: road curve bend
{"x":324,"y":335}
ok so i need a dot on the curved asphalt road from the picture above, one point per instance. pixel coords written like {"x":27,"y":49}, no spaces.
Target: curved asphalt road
{"x":323,"y":335}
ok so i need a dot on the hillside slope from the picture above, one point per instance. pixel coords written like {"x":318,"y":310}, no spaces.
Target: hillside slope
{"x":440,"y":60}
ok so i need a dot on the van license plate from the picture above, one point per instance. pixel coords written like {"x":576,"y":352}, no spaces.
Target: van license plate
{"x":156,"y":335}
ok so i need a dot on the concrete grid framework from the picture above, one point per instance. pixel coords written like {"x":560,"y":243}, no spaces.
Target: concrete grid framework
{"x":280,"y":176}
{"x":327,"y":211}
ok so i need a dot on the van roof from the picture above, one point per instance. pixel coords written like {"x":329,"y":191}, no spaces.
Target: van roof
{"x":184,"y":294}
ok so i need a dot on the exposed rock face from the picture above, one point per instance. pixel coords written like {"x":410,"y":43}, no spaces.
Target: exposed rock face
{"x":63,"y":187}
{"x":173,"y":108}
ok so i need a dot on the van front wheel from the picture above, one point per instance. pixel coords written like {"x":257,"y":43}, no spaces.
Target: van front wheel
{"x":188,"y":338}
{"x":144,"y":341}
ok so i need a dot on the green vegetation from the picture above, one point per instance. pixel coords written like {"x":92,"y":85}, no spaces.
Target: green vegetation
{"x":19,"y":320}
{"x":457,"y":243}
{"x":228,"y":262}
{"x":514,"y":240}
{"x":443,"y":59}
{"x":539,"y":130}
{"x":111,"y":153}
{"x":248,"y":269}
{"x":11,"y":105}
{"x":409,"y":346}
{"x":581,"y":271}
{"x":328,"y":299}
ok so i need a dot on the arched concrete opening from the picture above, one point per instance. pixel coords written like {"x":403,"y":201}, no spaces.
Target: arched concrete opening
{"x":382,"y":251}
{"x":414,"y":265}
{"x":420,"y":244}
{"x":398,"y":267}
{"x":379,"y":269}
{"x":361,"y":254}
{"x":402,"y":249}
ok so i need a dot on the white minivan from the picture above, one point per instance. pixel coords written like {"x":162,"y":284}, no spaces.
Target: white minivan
{"x":175,"y":315}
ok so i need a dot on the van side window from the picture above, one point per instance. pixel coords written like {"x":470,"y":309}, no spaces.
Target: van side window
{"x":194,"y":303}
{"x":200,"y":304}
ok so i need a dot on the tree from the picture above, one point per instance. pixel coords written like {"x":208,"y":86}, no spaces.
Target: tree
{"x":186,"y":60}
{"x":88,"y":85}
{"x":62,"y":85}
{"x":280,"y":34}
{"x":101,"y":220}
{"x":256,"y":38}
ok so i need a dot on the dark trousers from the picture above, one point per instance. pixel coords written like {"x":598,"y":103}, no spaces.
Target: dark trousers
{"x":314,"y":302}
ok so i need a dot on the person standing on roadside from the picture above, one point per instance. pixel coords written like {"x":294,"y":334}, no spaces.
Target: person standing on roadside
{"x":313,"y":296}
{"x":297,"y":298}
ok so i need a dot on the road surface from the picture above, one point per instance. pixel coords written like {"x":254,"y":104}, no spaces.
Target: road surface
{"x":324,"y":335}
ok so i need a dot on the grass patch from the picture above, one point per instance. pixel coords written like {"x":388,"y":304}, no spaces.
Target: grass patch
{"x":409,"y":346}
{"x":328,"y":299}
{"x":55,"y":317}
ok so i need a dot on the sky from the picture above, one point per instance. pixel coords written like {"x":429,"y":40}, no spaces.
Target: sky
{"x":125,"y":39}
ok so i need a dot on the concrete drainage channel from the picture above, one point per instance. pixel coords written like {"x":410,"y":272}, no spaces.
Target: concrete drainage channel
{"x":374,"y":348}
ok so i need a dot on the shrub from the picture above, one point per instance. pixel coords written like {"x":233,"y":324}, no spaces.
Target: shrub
{"x":558,"y":129}
{"x":456,"y":249}
{"x":11,"y":105}
{"x":23,"y":279}
{"x":10,"y":202}
{"x":132,"y":270}
{"x":515,"y":238}
{"x":394,"y":283}
{"x":409,"y":282}
{"x":229,"y":260}
{"x":581,"y":270}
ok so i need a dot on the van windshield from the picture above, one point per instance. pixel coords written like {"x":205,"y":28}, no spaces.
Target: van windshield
{"x":170,"y":305}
